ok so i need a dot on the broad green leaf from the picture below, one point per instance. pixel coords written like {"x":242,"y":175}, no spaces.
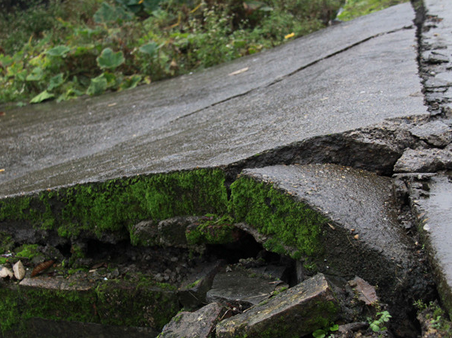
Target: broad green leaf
{"x":335,"y":327}
{"x":107,"y":13}
{"x":58,"y":51}
{"x":70,"y":93}
{"x":56,"y":81}
{"x":319,"y":333}
{"x":111,"y":79}
{"x":131,"y":81}
{"x":98,"y":85}
{"x":45,"y":95}
{"x":149,"y":48}
{"x":36,"y":74}
{"x":6,"y":60}
{"x":110,"y":59}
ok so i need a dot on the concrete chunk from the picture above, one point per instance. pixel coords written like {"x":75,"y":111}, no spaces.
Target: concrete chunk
{"x":335,"y":219}
{"x":241,"y":288}
{"x":192,"y":292}
{"x":434,"y":213}
{"x":424,"y":160}
{"x":436,"y":133}
{"x":296,"y":312}
{"x":199,"y":324}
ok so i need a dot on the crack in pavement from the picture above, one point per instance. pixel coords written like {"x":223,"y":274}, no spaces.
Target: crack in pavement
{"x":279,"y":79}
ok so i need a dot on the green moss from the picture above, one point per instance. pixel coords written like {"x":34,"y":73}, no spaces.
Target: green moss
{"x":115,"y":205}
{"x":192,"y":285}
{"x":20,"y":303}
{"x":16,"y":208}
{"x":140,"y":302}
{"x":289,"y":223}
{"x":9,"y":309}
{"x":130,"y":304}
{"x":58,"y":304}
{"x":27,"y":251}
{"x":76,"y":252}
{"x":218,"y":230}
{"x":6,"y":242}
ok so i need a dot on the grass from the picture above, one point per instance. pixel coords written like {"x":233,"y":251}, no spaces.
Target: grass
{"x":67,"y":49}
{"x":61,"y":50}
{"x":355,"y":8}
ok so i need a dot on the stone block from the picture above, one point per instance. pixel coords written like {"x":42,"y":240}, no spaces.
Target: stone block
{"x":296,"y":312}
{"x":199,"y":324}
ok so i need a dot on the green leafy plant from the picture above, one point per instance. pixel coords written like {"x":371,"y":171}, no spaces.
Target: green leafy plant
{"x":436,"y":316}
{"x":377,"y":325}
{"x":322,"y":333}
{"x":109,"y":59}
{"x":66,"y":49}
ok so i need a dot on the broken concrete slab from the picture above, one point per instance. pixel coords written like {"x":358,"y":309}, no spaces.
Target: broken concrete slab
{"x":424,"y":160}
{"x":295,"y":312}
{"x":199,"y":324}
{"x":241,"y":288}
{"x":176,"y":125}
{"x":436,"y":133}
{"x":192,"y":292}
{"x":432,"y":201}
{"x":344,"y":223}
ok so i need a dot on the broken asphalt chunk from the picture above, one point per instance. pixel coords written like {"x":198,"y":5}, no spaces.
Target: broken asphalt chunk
{"x":297,"y":311}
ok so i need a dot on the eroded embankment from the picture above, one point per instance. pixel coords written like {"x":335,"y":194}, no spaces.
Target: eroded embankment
{"x":122,"y":226}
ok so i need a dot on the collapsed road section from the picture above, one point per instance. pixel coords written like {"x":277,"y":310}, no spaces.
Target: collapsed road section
{"x":230,"y":194}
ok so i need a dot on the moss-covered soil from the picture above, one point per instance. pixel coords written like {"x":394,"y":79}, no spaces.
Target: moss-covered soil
{"x":122,"y":302}
{"x":86,"y":217}
{"x":114,"y":239}
{"x":115,"y":206}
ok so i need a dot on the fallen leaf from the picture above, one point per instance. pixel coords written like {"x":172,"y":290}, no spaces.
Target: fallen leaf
{"x":2,"y":170}
{"x":2,"y":113}
{"x":42,"y":267}
{"x":365,"y":291}
{"x":112,"y":104}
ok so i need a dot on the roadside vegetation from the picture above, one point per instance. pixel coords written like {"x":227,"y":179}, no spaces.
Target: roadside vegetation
{"x":59,"y":50}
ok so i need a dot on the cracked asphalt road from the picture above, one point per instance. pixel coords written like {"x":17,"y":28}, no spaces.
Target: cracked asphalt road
{"x":349,"y":76}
